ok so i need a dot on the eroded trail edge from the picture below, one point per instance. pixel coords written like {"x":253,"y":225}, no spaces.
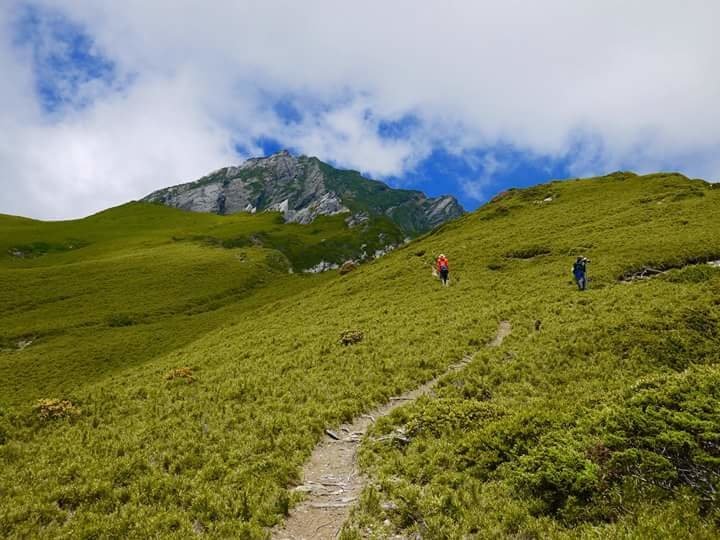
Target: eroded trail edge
{"x":331,"y":478}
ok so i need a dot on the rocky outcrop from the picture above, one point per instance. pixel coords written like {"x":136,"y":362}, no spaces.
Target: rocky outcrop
{"x":303,"y":188}
{"x":437,"y":210}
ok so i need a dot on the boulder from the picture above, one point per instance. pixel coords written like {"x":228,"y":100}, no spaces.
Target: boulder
{"x":347,"y":267}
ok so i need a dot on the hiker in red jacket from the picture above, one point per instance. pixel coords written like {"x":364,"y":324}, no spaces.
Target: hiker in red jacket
{"x":443,"y":268}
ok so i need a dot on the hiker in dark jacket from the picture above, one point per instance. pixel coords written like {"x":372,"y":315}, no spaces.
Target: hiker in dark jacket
{"x":579,"y":270}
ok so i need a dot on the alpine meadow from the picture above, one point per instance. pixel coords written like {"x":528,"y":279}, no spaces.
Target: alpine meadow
{"x":167,"y":374}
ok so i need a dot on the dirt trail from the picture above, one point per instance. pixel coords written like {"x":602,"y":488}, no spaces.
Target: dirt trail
{"x":331,"y":477}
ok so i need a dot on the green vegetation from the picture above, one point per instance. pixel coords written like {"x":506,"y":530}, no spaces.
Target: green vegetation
{"x":376,"y":198}
{"x":602,"y":423}
{"x":200,"y":377}
{"x":141,"y":280}
{"x":527,"y":252}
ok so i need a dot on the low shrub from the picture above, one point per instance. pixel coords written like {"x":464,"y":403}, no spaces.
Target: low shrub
{"x":277,"y":261}
{"x":560,"y":476}
{"x":687,"y":194}
{"x":38,"y":249}
{"x":679,"y":265}
{"x":496,"y":212}
{"x":4,"y":429}
{"x":50,"y":409}
{"x":692,"y":274}
{"x":666,"y":434}
{"x":527,"y":252}
{"x":181,"y":373}
{"x":117,"y":320}
{"x":445,"y":415}
{"x":689,"y":337}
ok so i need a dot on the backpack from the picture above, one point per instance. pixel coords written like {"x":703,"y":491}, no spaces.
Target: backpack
{"x":578,"y":267}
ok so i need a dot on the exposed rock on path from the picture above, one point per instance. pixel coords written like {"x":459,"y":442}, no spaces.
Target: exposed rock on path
{"x":332,"y":479}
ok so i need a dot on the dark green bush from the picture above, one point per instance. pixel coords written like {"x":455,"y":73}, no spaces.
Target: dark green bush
{"x":692,"y":274}
{"x":121,"y":319}
{"x":444,"y":415}
{"x":688,"y":337}
{"x":687,"y":194}
{"x":38,"y":249}
{"x":495,"y":212}
{"x":559,"y":475}
{"x":4,"y":429}
{"x":527,"y":252}
{"x":666,"y":434}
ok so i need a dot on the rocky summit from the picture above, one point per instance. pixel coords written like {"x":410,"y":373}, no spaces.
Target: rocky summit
{"x":303,"y":188}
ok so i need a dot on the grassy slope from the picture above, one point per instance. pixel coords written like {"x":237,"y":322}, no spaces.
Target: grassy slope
{"x":116,"y":289}
{"x":603,"y":423}
{"x":149,"y":457}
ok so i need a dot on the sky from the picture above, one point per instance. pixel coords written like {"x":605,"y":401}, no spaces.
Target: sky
{"x":102,"y":102}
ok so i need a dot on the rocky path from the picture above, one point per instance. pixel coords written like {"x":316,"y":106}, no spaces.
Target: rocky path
{"x":331,"y":477}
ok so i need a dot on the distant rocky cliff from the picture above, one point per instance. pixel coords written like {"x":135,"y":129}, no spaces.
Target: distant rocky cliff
{"x":303,"y":188}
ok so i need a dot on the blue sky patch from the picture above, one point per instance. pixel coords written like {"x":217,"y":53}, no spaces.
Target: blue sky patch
{"x":401,"y":128}
{"x":476,"y":176}
{"x":66,"y":60}
{"x":270,"y":145}
{"x":287,"y":111}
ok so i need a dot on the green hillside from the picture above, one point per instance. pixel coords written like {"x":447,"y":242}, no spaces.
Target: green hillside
{"x":116,"y":289}
{"x":599,"y":416}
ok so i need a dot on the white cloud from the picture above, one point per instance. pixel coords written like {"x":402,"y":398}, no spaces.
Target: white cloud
{"x":639,"y":80}
{"x":349,"y":135}
{"x":110,"y":153}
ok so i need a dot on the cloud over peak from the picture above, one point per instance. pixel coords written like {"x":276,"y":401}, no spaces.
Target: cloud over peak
{"x":107,"y":101}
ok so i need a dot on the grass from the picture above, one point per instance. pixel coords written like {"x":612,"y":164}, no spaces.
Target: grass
{"x":547,"y":436}
{"x":130,"y":291}
{"x":601,"y":424}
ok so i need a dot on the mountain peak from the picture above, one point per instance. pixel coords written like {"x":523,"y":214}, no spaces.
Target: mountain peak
{"x":303,"y":188}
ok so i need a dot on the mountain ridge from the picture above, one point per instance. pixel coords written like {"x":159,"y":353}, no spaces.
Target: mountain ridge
{"x":303,"y":188}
